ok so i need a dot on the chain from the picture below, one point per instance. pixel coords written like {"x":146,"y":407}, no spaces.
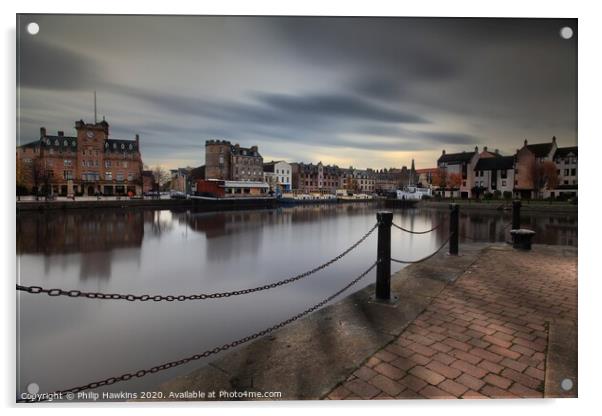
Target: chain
{"x":141,"y":373}
{"x":424,"y":258}
{"x":180,"y":298}
{"x":416,"y":232}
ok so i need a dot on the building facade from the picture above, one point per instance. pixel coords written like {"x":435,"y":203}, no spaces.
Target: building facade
{"x":89,"y":163}
{"x":232,"y":162}
{"x":315,"y":178}
{"x":278,"y":175}
{"x":495,"y":174}
{"x":529,"y":160}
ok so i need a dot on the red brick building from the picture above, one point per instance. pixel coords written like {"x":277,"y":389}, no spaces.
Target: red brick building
{"x":88,"y":163}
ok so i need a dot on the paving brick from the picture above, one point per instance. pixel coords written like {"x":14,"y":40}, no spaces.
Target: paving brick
{"x":486,"y":355}
{"x":504,"y":352}
{"x":388,"y":370}
{"x":461,"y":355}
{"x":457,"y":344}
{"x":521,"y":378}
{"x":482,"y":329}
{"x":365,"y":373}
{"x":515,"y":365}
{"x":432,"y":392}
{"x":361,"y":388}
{"x":468,"y":368}
{"x":452,"y":387}
{"x":372,"y":361}
{"x":387,"y":385}
{"x":522,"y":350}
{"x":422,"y":349}
{"x":385,"y":356}
{"x":497,"y":393}
{"x":427,"y":375}
{"x":439,"y":346}
{"x":491,"y":367}
{"x":412,"y":382}
{"x":479,"y":343}
{"x":535,"y":373}
{"x":339,"y":393}
{"x":409,"y":394}
{"x":420,"y":359}
{"x":498,"y":381}
{"x":403,"y":363}
{"x":471,"y":394}
{"x":444,"y":358}
{"x":470,"y":381}
{"x":497,"y":341}
{"x":523,"y":391}
{"x":443,"y":369}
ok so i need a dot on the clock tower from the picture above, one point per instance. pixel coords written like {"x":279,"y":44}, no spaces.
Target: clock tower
{"x":91,"y":139}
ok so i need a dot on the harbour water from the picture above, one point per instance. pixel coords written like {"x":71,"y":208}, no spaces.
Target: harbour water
{"x":65,"y":342}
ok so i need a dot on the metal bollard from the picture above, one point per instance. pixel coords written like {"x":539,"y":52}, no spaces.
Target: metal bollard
{"x":516,"y":204}
{"x":454,"y":216}
{"x":383,"y":253}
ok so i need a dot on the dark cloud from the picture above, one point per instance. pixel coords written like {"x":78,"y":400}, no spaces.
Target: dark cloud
{"x":46,"y":66}
{"x":293,"y":84}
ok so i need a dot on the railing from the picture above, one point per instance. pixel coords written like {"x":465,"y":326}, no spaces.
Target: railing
{"x":382,"y":294}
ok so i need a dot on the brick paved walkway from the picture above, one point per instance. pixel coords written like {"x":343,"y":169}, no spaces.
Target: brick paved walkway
{"x":484,"y":335}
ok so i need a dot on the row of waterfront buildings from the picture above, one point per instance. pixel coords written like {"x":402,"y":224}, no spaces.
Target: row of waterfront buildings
{"x":92,"y":163}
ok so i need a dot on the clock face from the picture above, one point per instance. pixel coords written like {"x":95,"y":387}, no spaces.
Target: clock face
{"x":90,"y":134}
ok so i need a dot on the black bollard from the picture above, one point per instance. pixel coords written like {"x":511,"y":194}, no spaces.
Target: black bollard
{"x":453,"y":229}
{"x":516,"y":214}
{"x":383,"y":254}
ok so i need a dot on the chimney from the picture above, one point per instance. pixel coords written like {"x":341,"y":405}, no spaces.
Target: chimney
{"x":137,"y":138}
{"x":42,"y":132}
{"x":497,"y":151}
{"x":254,"y":148}
{"x":554,"y":139}
{"x":61,"y":133}
{"x":443,"y":152}
{"x":485,"y":148}
{"x":525,"y":142}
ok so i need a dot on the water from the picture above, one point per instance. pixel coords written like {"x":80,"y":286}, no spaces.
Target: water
{"x":65,"y":342}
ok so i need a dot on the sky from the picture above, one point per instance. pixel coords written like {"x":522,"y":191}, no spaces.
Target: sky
{"x":362,"y":92}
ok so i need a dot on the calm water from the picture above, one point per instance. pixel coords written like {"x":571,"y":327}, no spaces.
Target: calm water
{"x":64,"y":342}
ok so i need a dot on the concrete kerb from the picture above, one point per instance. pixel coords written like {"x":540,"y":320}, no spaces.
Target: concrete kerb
{"x":310,"y":357}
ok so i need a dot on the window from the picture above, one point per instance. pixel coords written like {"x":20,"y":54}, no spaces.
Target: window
{"x":504,"y":173}
{"x":130,"y":176}
{"x":503,"y":183}
{"x":67,"y":174}
{"x":221,"y":160}
{"x":109,"y":176}
{"x":573,"y":172}
{"x":120,"y":177}
{"x":107,"y":163}
{"x":67,"y":162}
{"x":566,"y":172}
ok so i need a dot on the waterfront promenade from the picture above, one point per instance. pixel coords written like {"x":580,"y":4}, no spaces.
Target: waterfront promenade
{"x":492,"y":322}
{"x":492,"y":333}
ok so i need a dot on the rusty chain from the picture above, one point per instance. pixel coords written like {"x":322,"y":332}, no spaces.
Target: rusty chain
{"x":141,"y":373}
{"x":416,"y":232}
{"x":180,"y":298}
{"x":424,"y":258}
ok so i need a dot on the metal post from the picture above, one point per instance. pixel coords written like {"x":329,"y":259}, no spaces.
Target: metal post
{"x":383,"y":252}
{"x":453,"y":229}
{"x":516,"y":204}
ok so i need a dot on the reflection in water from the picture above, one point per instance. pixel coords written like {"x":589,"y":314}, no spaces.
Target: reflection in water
{"x":65,"y":342}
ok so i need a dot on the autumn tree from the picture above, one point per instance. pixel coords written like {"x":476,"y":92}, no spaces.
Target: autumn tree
{"x":161,"y":176}
{"x":439,"y":178}
{"x":543,"y":175}
{"x":454,"y":180}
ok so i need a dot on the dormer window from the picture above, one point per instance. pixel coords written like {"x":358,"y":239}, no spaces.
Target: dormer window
{"x":56,"y":142}
{"x":114,"y":145}
{"x":131,"y":147}
{"x":65,"y":143}
{"x":122,"y":146}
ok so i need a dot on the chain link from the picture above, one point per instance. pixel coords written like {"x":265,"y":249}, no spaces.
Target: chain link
{"x":207,"y":353}
{"x":424,"y":258}
{"x":416,"y":232}
{"x":180,"y":298}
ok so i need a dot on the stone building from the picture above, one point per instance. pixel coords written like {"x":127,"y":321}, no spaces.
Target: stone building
{"x":565,"y":159}
{"x":315,"y":178}
{"x":232,"y":162}
{"x":89,"y":163}
{"x":528,"y":158}
{"x":461,"y":166}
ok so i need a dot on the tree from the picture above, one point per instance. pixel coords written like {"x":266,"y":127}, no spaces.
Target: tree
{"x":454,"y":180}
{"x":439,"y":178}
{"x":161,"y":176}
{"x":543,"y":175}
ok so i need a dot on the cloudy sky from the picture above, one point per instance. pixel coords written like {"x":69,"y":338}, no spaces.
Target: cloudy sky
{"x":367,"y":92}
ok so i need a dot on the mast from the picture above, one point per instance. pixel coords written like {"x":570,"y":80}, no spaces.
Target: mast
{"x":95,"y":117}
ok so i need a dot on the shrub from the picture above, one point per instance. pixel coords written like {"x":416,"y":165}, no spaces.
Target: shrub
{"x":497,"y":194}
{"x":487,"y":196}
{"x":507,"y":195}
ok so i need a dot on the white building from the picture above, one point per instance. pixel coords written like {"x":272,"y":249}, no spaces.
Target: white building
{"x":495,"y":174}
{"x":278,"y":174}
